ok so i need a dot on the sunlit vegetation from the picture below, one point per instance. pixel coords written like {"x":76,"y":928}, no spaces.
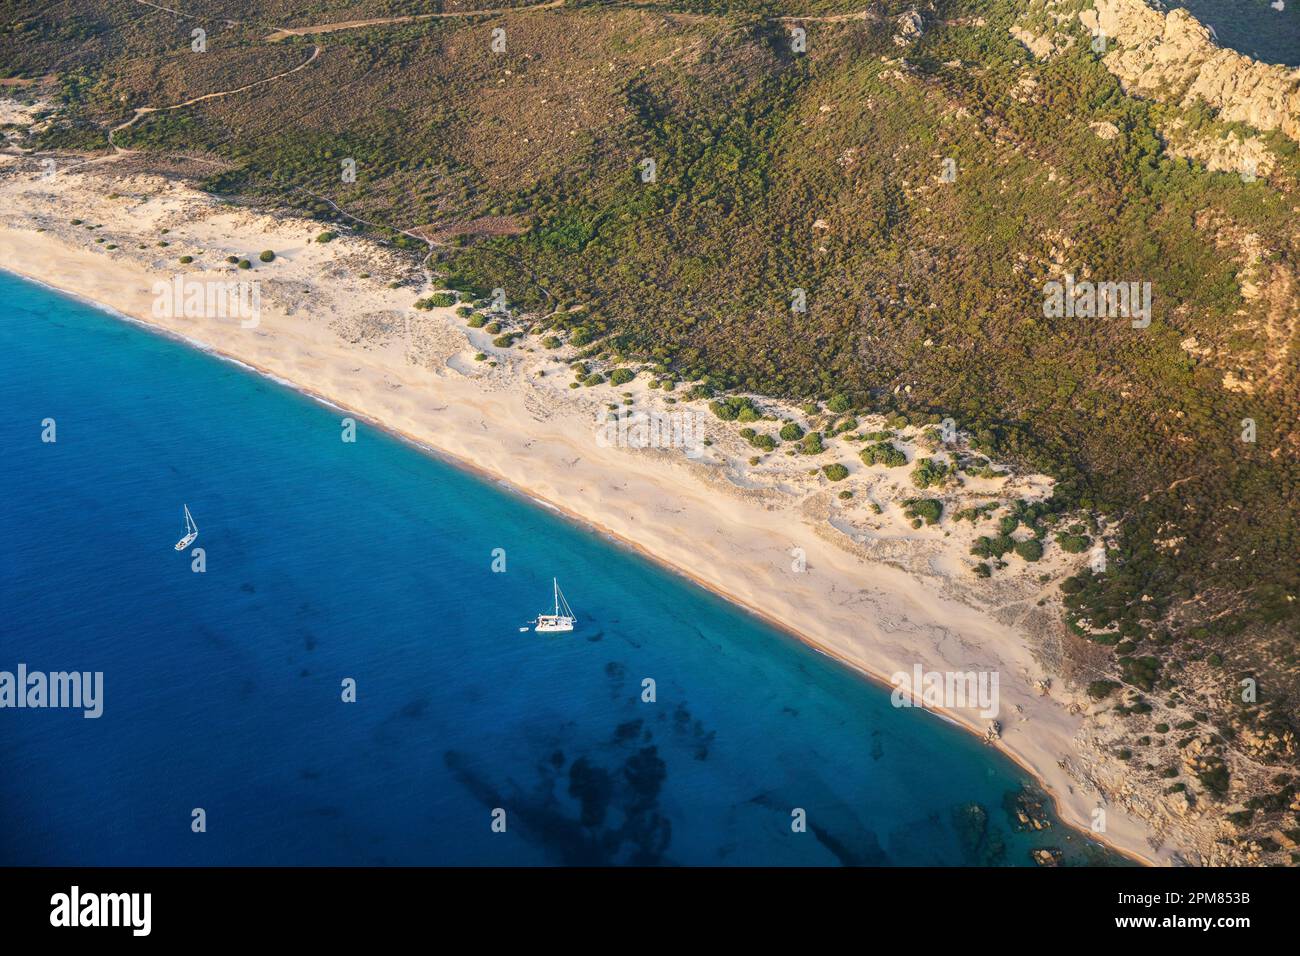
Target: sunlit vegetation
{"x":883,"y":453}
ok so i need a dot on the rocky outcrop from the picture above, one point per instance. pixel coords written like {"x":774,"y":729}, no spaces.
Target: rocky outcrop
{"x":1173,"y":57}
{"x":911,"y":26}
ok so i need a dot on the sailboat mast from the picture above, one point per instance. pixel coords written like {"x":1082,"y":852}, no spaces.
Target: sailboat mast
{"x":555,"y":583}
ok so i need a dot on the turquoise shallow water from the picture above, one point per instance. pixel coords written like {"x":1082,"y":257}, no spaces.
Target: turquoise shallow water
{"x":372,"y":561}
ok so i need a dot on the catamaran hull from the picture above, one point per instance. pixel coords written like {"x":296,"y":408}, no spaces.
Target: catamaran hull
{"x":562,"y":620}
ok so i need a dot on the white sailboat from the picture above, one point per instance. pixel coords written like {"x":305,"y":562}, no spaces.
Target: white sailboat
{"x":562,"y":620}
{"x":191,"y":531}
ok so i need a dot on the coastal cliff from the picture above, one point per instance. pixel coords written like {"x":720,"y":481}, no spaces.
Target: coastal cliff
{"x":1173,"y":57}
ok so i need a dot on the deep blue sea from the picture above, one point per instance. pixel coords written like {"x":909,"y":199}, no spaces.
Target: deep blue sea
{"x":1253,"y":27}
{"x":372,"y":561}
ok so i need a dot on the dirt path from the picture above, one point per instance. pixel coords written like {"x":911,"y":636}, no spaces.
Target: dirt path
{"x":286,"y":32}
{"x":180,"y":14}
{"x":146,"y":110}
{"x":832,"y":18}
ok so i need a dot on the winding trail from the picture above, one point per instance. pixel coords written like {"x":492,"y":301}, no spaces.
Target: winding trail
{"x":286,"y":32}
{"x":146,"y":110}
{"x":181,"y":14}
{"x":833,"y":17}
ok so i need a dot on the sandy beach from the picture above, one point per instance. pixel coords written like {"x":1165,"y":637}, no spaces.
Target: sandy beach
{"x":338,"y":322}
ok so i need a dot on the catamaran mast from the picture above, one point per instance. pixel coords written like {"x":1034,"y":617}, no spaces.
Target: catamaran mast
{"x":555,"y":583}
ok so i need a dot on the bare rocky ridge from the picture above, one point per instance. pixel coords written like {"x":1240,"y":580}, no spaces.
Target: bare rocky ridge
{"x":1173,"y":57}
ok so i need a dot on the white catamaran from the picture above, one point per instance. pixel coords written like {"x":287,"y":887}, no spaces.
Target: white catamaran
{"x":563,"y":618}
{"x":191,"y":531}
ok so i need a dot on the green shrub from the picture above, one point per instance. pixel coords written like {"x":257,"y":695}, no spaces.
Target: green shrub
{"x":839,"y":404}
{"x":621,"y":376}
{"x":929,"y":509}
{"x":791,"y":431}
{"x":883,"y":453}
{"x":812,"y":444}
{"x":975,"y":513}
{"x":245,"y":264}
{"x":477,"y":320}
{"x":1214,"y":775}
{"x":836,"y":472}
{"x":267,"y":255}
{"x":327,"y":236}
{"x":929,"y":473}
{"x":1101,"y":689}
{"x":186,"y":260}
{"x":734,"y":408}
{"x":1140,"y":671}
{"x":1073,"y":543}
{"x":1029,"y":549}
{"x":995,"y":547}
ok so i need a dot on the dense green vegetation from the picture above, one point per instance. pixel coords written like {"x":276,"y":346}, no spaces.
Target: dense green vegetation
{"x":883,"y":453}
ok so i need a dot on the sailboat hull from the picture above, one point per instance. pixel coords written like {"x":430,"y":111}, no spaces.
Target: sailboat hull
{"x":562,"y":620}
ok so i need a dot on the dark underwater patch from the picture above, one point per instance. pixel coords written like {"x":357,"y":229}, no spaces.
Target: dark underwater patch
{"x":414,"y":709}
